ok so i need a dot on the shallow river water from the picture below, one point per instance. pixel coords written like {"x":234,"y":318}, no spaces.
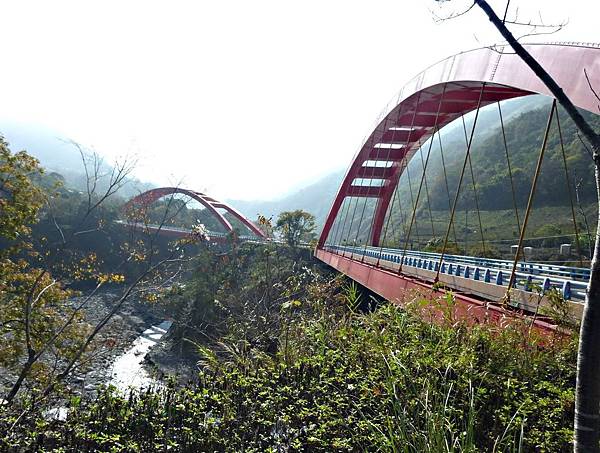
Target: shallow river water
{"x":128,"y":371}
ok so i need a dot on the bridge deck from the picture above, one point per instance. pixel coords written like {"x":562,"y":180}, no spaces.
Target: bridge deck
{"x":471,"y":278}
{"x":179,"y":232}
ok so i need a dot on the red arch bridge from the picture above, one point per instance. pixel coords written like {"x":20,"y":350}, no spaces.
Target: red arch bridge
{"x":370,"y":237}
{"x":136,"y":211}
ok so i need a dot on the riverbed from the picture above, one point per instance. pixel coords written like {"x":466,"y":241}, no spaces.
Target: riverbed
{"x":128,"y":371}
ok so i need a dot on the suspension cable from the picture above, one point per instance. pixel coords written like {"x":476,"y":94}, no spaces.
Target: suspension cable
{"x":427,"y":187}
{"x":362,"y":213}
{"x":382,"y":186}
{"x":447,"y":186}
{"x":371,"y":139}
{"x":460,"y":180}
{"x":402,"y":218}
{"x":538,"y":169}
{"x":510,"y":175}
{"x":394,"y":194}
{"x":338,"y":222}
{"x":475,"y":193}
{"x":568,"y":180}
{"x":370,"y":144}
{"x":339,"y":234}
{"x":425,"y":164}
{"x":402,"y":227}
{"x":414,"y":213}
{"x":387,"y":222}
{"x":412,"y":202}
{"x":344,"y":234}
{"x":404,"y":161}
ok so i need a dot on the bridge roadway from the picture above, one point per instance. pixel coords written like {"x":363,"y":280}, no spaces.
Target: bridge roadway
{"x":482,"y":277}
{"x":178,"y":232}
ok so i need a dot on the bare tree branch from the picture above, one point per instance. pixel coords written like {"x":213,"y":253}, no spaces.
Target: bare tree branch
{"x":543,"y":75}
{"x":506,"y":11}
{"x":453,"y":15}
{"x":592,"y":88}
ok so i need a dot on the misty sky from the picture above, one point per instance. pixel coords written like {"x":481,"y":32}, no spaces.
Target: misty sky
{"x":242,"y":99}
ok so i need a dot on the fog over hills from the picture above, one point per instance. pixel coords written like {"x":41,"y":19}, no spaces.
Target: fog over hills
{"x":58,"y":154}
{"x":53,"y":151}
{"x":315,"y":198}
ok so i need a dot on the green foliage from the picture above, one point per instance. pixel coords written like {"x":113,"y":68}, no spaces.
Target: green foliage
{"x":436,"y":244}
{"x":265,"y":224}
{"x":381,"y":381}
{"x":296,"y":227}
{"x":352,"y":296}
{"x":488,"y":252}
{"x":54,"y":240}
{"x":559,"y":310}
{"x":20,"y":199}
{"x":238,"y":295}
{"x":34,"y":308}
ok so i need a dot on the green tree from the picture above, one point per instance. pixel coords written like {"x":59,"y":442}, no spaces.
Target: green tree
{"x":33,"y":305}
{"x":296,"y":226}
{"x":20,"y":199}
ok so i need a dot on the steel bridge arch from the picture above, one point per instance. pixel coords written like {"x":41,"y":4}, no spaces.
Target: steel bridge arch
{"x":150,"y":196}
{"x":445,"y":91}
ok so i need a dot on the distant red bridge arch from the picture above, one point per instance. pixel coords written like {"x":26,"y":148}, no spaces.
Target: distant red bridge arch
{"x":211,"y":204}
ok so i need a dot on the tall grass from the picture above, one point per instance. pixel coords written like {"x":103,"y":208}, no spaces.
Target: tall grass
{"x":385,"y":380}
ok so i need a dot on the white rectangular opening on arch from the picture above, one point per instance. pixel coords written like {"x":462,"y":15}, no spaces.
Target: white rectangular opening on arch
{"x":389,"y":146}
{"x":368,"y":182}
{"x":378,"y":163}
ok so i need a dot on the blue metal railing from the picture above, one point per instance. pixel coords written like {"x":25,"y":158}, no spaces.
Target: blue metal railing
{"x":570,"y":281}
{"x":189,"y":231}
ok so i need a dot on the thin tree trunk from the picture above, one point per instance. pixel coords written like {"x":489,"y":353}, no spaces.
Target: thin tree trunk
{"x":19,"y":382}
{"x":587,"y":393}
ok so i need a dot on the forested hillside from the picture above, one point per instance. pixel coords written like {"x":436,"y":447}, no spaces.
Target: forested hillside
{"x":524,"y":136}
{"x":315,"y":198}
{"x":490,"y":186}
{"x":524,"y":133}
{"x":58,"y":153}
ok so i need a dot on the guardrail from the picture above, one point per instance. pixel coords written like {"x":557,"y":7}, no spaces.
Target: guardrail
{"x":571,"y":282}
{"x":187,"y":230}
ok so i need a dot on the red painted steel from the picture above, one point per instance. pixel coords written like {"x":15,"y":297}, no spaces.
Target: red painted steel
{"x":457,"y":82}
{"x":431,"y":100}
{"x":209,"y":203}
{"x":396,"y":289}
